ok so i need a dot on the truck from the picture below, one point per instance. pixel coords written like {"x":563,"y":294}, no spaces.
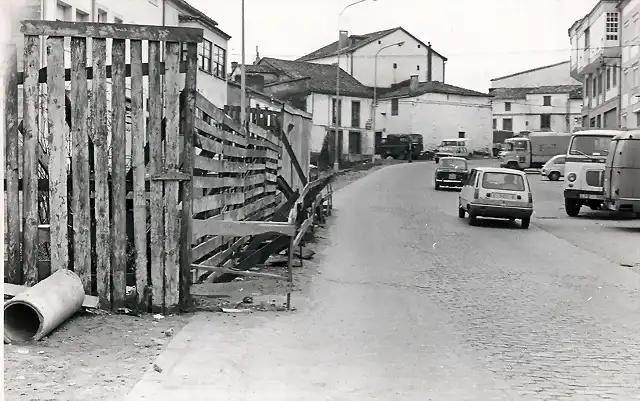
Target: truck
{"x":585,"y":168}
{"x":399,"y":146}
{"x":532,"y":150}
{"x":622,"y":173}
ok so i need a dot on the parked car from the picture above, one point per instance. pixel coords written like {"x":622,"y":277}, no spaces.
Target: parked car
{"x":498,"y":193}
{"x":451,"y":172}
{"x":554,"y":168}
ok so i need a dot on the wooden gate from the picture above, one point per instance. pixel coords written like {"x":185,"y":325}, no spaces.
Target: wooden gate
{"x":79,"y":140}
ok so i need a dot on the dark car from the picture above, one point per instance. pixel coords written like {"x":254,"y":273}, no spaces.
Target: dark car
{"x":451,"y":172}
{"x":396,"y":146}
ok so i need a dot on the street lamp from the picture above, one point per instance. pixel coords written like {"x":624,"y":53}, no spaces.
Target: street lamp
{"x":336,"y":161}
{"x":375,"y":84}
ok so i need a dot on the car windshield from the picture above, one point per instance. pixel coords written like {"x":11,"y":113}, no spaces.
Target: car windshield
{"x":508,"y":146}
{"x":590,"y":145}
{"x":453,"y":163}
{"x":502,"y":181}
{"x":449,"y":143}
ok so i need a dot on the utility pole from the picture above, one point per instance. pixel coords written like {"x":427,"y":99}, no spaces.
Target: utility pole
{"x":243,"y":80}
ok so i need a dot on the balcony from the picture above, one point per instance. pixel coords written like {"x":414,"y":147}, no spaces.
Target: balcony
{"x":588,"y":61}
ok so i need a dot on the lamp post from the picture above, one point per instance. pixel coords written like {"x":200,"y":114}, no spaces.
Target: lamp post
{"x":375,"y":86}
{"x":243,"y":79}
{"x":336,"y":161}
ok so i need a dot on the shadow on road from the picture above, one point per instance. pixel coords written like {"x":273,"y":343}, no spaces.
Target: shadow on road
{"x":496,"y":223}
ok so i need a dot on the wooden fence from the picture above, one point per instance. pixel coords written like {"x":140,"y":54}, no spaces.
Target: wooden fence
{"x":88,"y":200}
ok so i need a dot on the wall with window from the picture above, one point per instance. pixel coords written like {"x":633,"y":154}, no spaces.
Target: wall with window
{"x":439,"y":116}
{"x":557,"y":74}
{"x":552,"y":111}
{"x":630,"y":101}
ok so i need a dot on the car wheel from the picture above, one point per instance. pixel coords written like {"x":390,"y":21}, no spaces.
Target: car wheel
{"x":461,"y":212}
{"x":572,"y":207}
{"x":525,"y":222}
{"x":554,"y":176}
{"x":435,"y":159}
{"x":437,"y":186}
{"x":513,"y":165}
{"x":472,"y":219}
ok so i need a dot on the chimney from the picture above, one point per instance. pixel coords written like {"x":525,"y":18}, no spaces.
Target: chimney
{"x":413,"y":83}
{"x":234,"y":64}
{"x":344,"y":40}
{"x":429,"y":62}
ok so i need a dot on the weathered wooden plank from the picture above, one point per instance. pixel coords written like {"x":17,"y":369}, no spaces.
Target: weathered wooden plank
{"x":42,"y":73}
{"x":216,"y":114}
{"x":271,"y":165}
{"x":217,"y":201}
{"x":219,"y":166}
{"x":218,"y":133}
{"x":187,"y":128}
{"x":253,"y":192}
{"x":262,"y":144}
{"x":79,"y":162}
{"x":226,"y":270}
{"x":212,"y":289}
{"x":138,"y":169}
{"x":221,"y":182}
{"x":302,"y":231}
{"x":264,"y":134}
{"x":12,"y":290}
{"x":223,"y":256}
{"x":294,"y":159}
{"x":114,"y":31}
{"x":101,"y":172}
{"x":12,"y":268}
{"x":118,"y":174}
{"x":156,"y":187}
{"x":218,"y":147}
{"x":30,"y":159}
{"x":171,"y":214}
{"x":241,"y":228}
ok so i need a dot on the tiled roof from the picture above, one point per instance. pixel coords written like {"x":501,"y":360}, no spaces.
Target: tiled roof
{"x":532,"y":70}
{"x":575,"y":91}
{"x":356,"y":42}
{"x":257,"y":68}
{"x":429,"y":87}
{"x":322,"y":77}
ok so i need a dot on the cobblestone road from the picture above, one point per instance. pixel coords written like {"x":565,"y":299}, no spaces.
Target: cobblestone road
{"x":411,"y":303}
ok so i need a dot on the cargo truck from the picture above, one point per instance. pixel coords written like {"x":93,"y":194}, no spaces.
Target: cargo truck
{"x":533,"y":150}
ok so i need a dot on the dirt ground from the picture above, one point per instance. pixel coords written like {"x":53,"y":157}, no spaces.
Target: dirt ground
{"x":100,"y":356}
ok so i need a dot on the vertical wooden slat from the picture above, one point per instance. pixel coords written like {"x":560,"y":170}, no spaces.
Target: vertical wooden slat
{"x":80,"y":163}
{"x":101,"y":170}
{"x":188,"y":117}
{"x":12,"y":270}
{"x":118,"y":173}
{"x":138,"y":168}
{"x":57,"y":154}
{"x":171,"y":221}
{"x":156,"y":187}
{"x":30,"y":149}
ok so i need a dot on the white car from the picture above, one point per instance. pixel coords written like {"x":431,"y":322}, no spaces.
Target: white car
{"x":498,"y":193}
{"x":554,"y":168}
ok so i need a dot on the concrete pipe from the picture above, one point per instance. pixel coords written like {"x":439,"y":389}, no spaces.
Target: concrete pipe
{"x":35,"y":312}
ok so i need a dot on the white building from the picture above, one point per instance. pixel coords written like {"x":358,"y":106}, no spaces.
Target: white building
{"x":395,"y":64}
{"x":630,"y":91}
{"x":541,"y":99}
{"x":437,"y":111}
{"x":595,"y":62}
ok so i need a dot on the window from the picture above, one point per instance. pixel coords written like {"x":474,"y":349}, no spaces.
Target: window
{"x":546,"y":100}
{"x":507,"y":106}
{"x":394,"y":107}
{"x":355,"y":142}
{"x":204,"y":56}
{"x":599,"y":121}
{"x":587,"y":38}
{"x":355,"y":114}
{"x":637,"y":119}
{"x":614,"y":76}
{"x":608,"y":78}
{"x":502,"y":181}
{"x":81,"y":16}
{"x":636,"y":76}
{"x":62,"y":12}
{"x":220,"y":62}
{"x":599,"y":83}
{"x":461,"y":134}
{"x":587,"y":89}
{"x":595,"y":86}
{"x":418,"y":67}
{"x":545,"y":121}
{"x":395,"y":65}
{"x":336,"y":111}
{"x":612,"y":26}
{"x":507,"y":124}
{"x":102,"y":16}
{"x":495,"y":123}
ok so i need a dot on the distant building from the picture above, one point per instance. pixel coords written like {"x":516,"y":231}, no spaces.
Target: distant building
{"x":541,"y":99}
{"x":596,"y":63}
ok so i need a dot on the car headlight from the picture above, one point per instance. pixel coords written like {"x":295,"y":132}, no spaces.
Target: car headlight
{"x":572,"y":177}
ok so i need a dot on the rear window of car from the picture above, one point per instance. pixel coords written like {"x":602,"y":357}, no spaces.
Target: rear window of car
{"x":502,"y":181}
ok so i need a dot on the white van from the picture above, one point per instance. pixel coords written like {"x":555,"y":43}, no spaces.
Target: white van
{"x":456,"y":147}
{"x":622,"y":173}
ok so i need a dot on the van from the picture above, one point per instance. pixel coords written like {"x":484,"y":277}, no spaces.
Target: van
{"x":622,"y":173}
{"x":457,"y":147}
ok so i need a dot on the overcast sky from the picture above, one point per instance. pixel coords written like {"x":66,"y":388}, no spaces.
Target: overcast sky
{"x":482,"y":39}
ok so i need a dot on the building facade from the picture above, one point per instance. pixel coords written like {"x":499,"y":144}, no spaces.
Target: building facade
{"x":359,"y":55}
{"x":596,"y":63}
{"x":630,"y":60}
{"x":541,"y":99}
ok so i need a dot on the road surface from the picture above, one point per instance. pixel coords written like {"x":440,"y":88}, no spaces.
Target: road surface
{"x":412,"y":303}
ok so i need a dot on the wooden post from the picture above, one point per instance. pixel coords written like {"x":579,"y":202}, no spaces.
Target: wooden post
{"x":290,"y":270}
{"x":188,"y":117}
{"x":101,"y":172}
{"x":138,"y":169}
{"x":30,"y":151}
{"x":80,"y":162}
{"x":118,"y":174}
{"x":156,"y":187}
{"x":13,"y":271}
